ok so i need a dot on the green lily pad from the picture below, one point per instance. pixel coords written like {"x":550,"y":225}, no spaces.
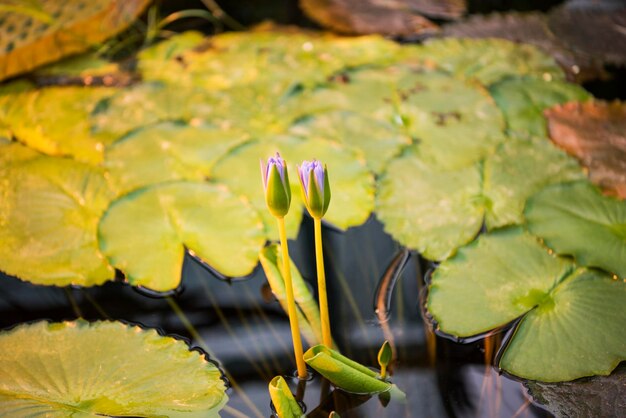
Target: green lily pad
{"x":487,"y":60}
{"x":165,"y":152}
{"x":430,"y":208}
{"x":519,"y":169}
{"x":351,"y":182}
{"x":575,"y":219}
{"x":55,"y":121}
{"x":104,"y":369}
{"x":580,"y":325}
{"x":491,"y":282}
{"x":48,"y":219}
{"x":523,"y":101}
{"x":572,"y":319}
{"x":283,"y":400}
{"x":145,"y":233}
{"x":377,"y":139}
{"x":308,"y":311}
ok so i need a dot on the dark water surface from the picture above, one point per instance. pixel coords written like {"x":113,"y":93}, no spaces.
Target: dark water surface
{"x":240,"y":324}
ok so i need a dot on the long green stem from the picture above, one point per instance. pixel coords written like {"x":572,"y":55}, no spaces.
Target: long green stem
{"x":291,"y":303}
{"x":327,"y":338}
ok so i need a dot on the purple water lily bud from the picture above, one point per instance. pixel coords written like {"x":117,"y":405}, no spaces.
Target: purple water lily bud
{"x":315,"y":187}
{"x":276,"y":185}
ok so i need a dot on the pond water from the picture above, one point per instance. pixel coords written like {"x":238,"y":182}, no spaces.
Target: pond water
{"x":240,"y":324}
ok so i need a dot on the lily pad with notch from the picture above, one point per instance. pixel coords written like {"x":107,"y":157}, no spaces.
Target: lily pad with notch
{"x":145,"y":234}
{"x":104,"y":369}
{"x":571,"y":318}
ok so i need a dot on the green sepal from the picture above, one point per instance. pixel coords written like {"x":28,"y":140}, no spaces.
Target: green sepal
{"x":314,"y":199}
{"x":277,"y":193}
{"x":326,"y":190}
{"x":285,"y":404}
{"x":384,"y":354}
{"x":344,"y":373}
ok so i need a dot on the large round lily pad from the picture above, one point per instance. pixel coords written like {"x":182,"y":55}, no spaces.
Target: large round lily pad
{"x":351,"y":182}
{"x":49,"y":214}
{"x":580,"y":324}
{"x":576,"y":219}
{"x":146,"y":232}
{"x":165,"y":152}
{"x":491,"y":282}
{"x":572,"y":320}
{"x":523,"y":101}
{"x":95,"y":369}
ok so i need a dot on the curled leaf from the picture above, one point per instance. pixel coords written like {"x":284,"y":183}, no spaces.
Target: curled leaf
{"x":285,"y":404}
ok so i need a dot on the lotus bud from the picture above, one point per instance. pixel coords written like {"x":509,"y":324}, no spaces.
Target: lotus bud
{"x":315,"y":187}
{"x":276,"y":185}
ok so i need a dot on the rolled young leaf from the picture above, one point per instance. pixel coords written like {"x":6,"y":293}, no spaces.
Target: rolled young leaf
{"x":285,"y":404}
{"x":344,"y":373}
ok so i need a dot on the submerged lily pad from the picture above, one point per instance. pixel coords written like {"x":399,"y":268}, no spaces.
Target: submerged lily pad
{"x":595,"y":133}
{"x":489,"y":60}
{"x":523,"y":101}
{"x":519,"y":169}
{"x":104,"y":369}
{"x":48,"y":219}
{"x":145,"y":233}
{"x":572,"y":320}
{"x":576,"y":219}
{"x":165,"y":152}
{"x":55,"y":121}
{"x":351,"y":182}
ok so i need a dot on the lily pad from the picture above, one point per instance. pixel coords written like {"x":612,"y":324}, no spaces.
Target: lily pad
{"x":352,"y":183}
{"x":145,"y":233}
{"x":519,"y":169}
{"x":492,"y":281}
{"x":430,"y":208}
{"x":377,"y":139}
{"x":104,"y":369}
{"x":48,"y":219}
{"x":36,"y":33}
{"x":571,"y":319}
{"x":594,"y":132}
{"x":165,"y":152}
{"x":523,"y":101}
{"x":488,"y":60}
{"x":581,"y":325}
{"x":55,"y":121}
{"x":576,"y":219}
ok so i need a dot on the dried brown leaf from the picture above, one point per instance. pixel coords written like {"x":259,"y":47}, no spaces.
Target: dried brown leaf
{"x":595,"y":133}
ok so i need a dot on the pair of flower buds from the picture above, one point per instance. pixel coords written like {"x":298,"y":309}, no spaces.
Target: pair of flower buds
{"x":313,"y":179}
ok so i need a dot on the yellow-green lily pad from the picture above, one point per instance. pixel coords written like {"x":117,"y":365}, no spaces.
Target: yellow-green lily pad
{"x":352,"y":184}
{"x":49,"y":214}
{"x":145,"y":234}
{"x":575,"y":219}
{"x":55,"y":121}
{"x":165,"y":152}
{"x":84,"y":369}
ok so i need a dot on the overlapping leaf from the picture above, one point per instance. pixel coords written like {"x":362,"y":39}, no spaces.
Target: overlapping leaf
{"x":104,"y":369}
